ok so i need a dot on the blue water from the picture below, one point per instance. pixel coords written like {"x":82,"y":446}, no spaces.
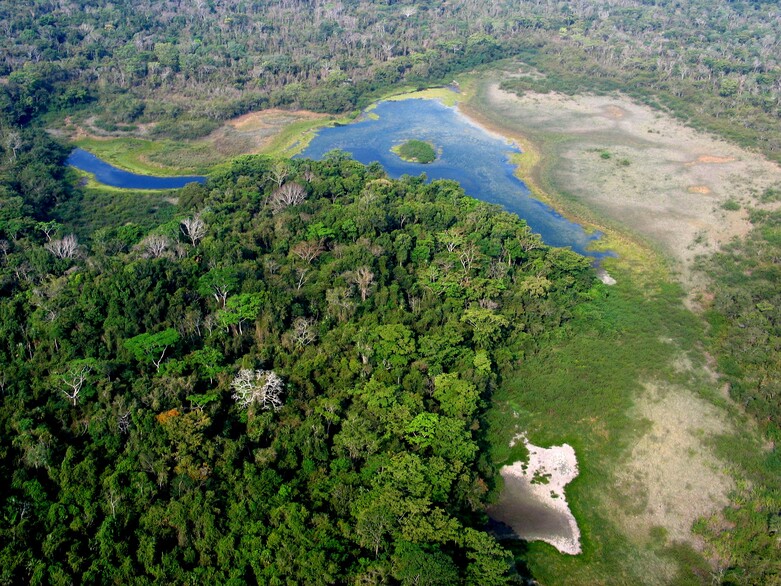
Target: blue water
{"x":110,"y":175}
{"x":478,"y":160}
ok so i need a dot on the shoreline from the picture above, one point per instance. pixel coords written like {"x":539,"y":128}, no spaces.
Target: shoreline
{"x":533,"y":502}
{"x":633,"y":249}
{"x":528,"y":167}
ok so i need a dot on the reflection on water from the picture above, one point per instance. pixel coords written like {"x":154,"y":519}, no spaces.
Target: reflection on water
{"x":469,"y":154}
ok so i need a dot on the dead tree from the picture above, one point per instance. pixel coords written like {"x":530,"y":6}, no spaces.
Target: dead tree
{"x":363,"y":278}
{"x":194,"y":228}
{"x":154,"y":246}
{"x":64,"y":248}
{"x":303,"y":332}
{"x":308,"y":250}
{"x":75,"y":379}
{"x":262,"y":387}
{"x":289,"y":194}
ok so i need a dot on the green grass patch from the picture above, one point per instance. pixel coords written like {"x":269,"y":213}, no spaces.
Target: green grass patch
{"x":295,"y":137}
{"x":416,"y":151}
{"x":147,"y":157}
{"x":579,"y":387}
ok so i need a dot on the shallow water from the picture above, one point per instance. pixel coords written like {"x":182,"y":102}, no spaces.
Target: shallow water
{"x":528,"y":516}
{"x":469,"y":154}
{"x":109,"y":175}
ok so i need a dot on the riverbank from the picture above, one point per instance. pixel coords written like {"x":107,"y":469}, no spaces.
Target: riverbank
{"x":635,"y":173}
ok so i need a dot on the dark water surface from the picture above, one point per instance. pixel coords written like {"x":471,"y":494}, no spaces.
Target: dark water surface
{"x":469,"y":154}
{"x":110,"y":175}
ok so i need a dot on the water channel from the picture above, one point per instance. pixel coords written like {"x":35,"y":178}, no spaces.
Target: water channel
{"x":477,"y":159}
{"x":109,"y":175}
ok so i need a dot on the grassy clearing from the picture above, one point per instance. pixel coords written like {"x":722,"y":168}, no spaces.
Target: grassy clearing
{"x":146,"y":157}
{"x":580,"y":389}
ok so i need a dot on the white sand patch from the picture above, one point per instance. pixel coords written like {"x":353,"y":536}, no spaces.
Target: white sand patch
{"x":533,"y":503}
{"x":605,"y":277}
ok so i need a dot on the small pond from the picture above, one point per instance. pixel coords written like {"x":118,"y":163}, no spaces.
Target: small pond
{"x":477,"y":159}
{"x":109,"y":175}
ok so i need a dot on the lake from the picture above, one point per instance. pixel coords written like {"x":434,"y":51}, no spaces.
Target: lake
{"x":477,"y":159}
{"x":109,"y":175}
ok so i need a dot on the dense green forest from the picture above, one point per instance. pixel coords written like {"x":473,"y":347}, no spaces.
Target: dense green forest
{"x":272,"y":388}
{"x":284,"y":376}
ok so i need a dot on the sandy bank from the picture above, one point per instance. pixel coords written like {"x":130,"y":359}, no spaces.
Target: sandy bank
{"x":533,"y":503}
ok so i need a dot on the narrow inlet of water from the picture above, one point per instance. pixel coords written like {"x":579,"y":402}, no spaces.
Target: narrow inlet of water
{"x":109,"y":175}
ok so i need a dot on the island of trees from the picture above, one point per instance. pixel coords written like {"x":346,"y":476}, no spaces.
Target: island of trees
{"x":416,"y":151}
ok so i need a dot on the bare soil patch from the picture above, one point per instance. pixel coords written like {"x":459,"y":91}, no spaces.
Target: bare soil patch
{"x":710,"y":159}
{"x":671,"y":477}
{"x":614,"y":112}
{"x":635,"y":166}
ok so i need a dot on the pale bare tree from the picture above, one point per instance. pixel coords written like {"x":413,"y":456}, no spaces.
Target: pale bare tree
{"x":271,"y":265}
{"x":65,"y":248}
{"x":303,"y":276}
{"x":261,"y":387}
{"x":280,"y":173}
{"x":287,"y":195}
{"x":74,"y":379}
{"x":13,"y":142}
{"x":194,"y":228}
{"x":210,"y":322}
{"x":303,"y":332}
{"x":340,"y":303}
{"x":363,"y":277}
{"x":308,"y":250}
{"x":154,"y":246}
{"x":123,"y":422}
{"x":468,"y":255}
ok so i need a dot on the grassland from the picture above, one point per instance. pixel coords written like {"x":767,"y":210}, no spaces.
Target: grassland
{"x":660,"y":447}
